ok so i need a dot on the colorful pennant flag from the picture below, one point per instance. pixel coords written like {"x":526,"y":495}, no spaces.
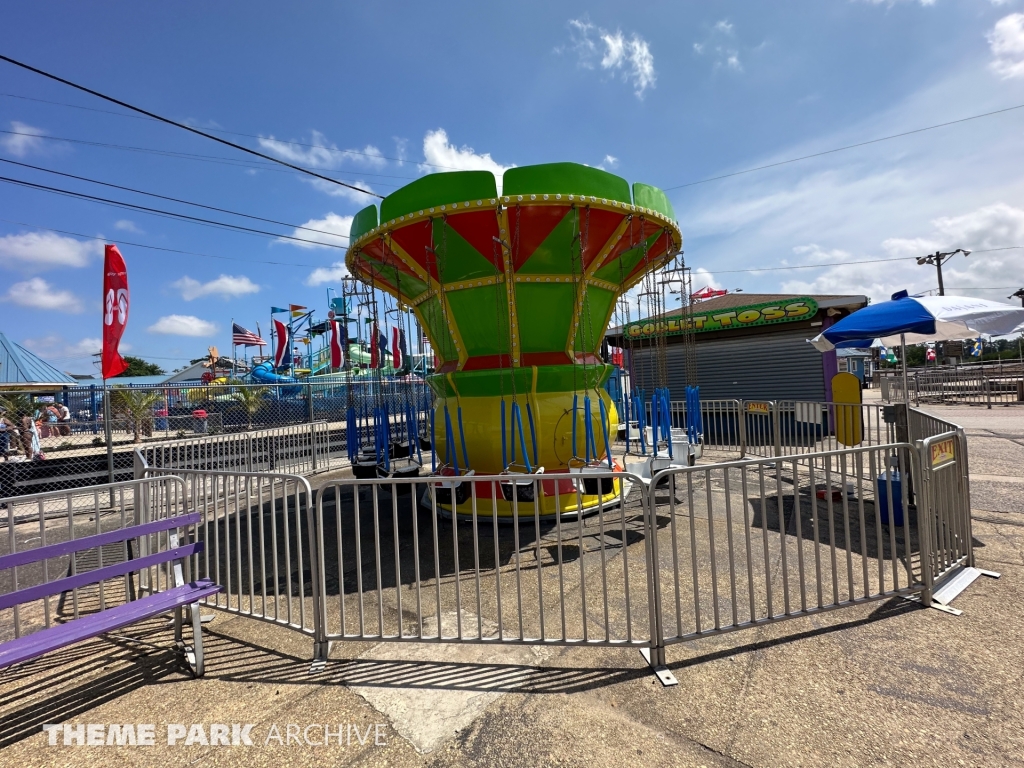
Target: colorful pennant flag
{"x":295,"y":309}
{"x":275,"y":310}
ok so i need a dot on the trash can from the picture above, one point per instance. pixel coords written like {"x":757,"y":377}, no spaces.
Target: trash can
{"x":882,"y":497}
{"x":199,"y":417}
{"x":161,"y":419}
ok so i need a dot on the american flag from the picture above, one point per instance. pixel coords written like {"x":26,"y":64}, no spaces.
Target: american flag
{"x":240,"y":337}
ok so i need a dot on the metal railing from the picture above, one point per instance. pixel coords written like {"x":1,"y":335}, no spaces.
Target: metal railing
{"x":759,"y":541}
{"x":784,"y":427}
{"x":301,"y":449}
{"x":259,"y":536}
{"x":692,"y":552}
{"x":289,"y":427}
{"x":392,"y":570}
{"x":967,"y":386}
{"x":42,"y":519}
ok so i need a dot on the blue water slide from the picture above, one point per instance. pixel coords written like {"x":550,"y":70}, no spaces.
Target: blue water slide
{"x":264,"y":374}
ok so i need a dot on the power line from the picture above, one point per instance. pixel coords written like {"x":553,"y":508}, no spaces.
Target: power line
{"x":237,"y":133}
{"x":843,"y":149}
{"x":166,"y":214}
{"x":176,"y":124}
{"x":160,"y":248}
{"x":172,"y":199}
{"x":238,"y":163}
{"x":845,"y":263}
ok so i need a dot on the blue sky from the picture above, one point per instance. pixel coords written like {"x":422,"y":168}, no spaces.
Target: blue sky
{"x":666,"y":93}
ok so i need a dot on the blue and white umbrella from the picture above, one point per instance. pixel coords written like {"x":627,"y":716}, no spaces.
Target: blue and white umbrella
{"x":912,"y":320}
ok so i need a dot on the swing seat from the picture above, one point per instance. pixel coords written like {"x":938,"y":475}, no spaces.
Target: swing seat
{"x":593,"y":486}
{"x":522,"y":485}
{"x":364,"y":467}
{"x":425,"y":444}
{"x":444,"y":490}
{"x":400,"y":471}
{"x":401,"y":449}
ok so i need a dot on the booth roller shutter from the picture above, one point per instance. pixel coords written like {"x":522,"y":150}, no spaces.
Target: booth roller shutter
{"x":772,"y":366}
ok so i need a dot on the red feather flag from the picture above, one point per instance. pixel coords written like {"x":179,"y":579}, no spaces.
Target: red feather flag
{"x":115,"y":311}
{"x":337,"y":351}
{"x":396,"y":348}
{"x":283,"y":340}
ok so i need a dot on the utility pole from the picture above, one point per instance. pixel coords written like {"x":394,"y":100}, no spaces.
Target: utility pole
{"x":938,"y":259}
{"x":1019,"y":294}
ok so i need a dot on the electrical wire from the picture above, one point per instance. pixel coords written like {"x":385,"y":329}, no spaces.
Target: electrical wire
{"x":845,"y":263}
{"x":237,"y":133}
{"x":176,"y":124}
{"x":166,"y":214}
{"x":237,"y":163}
{"x":843,"y":149}
{"x":171,"y":199}
{"x":161,"y":248}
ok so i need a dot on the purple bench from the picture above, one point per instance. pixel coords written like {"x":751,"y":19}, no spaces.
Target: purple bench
{"x":109,"y":619}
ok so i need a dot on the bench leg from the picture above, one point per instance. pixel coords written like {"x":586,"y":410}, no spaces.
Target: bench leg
{"x":199,"y":667}
{"x":177,"y":628}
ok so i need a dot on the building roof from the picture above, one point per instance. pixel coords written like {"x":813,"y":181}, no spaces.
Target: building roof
{"x":21,"y":368}
{"x":851,"y":302}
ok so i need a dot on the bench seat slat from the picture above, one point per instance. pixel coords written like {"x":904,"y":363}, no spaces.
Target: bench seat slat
{"x":97,"y":575}
{"x":91,"y":625}
{"x":61,"y":548}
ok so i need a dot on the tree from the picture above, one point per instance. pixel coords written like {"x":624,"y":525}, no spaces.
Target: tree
{"x":136,"y":405}
{"x":139,"y":367}
{"x":250,"y":400}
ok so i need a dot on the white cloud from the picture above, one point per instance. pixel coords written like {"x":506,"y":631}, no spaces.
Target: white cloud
{"x":993,"y":226}
{"x":36,"y":293}
{"x":126,"y":225}
{"x":613,"y":51}
{"x":332,"y":231}
{"x":24,"y":141}
{"x":183,"y":325}
{"x":721,"y":46}
{"x":227,"y":286}
{"x":319,"y":152}
{"x":703,"y":278}
{"x":609,"y":162}
{"x":442,"y":155}
{"x":331,"y":274}
{"x":43,"y":250}
{"x":1006,"y":39}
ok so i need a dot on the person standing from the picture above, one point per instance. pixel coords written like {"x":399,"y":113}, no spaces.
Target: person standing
{"x":64,"y":419}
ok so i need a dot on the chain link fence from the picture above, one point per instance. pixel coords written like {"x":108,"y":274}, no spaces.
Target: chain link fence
{"x":83,"y":436}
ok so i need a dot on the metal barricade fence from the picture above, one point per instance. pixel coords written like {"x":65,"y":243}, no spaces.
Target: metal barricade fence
{"x":722,"y":422}
{"x":42,"y":519}
{"x":759,"y":541}
{"x":260,"y":543}
{"x":984,"y":386}
{"x":944,"y":491}
{"x":696,"y":552}
{"x":302,"y":448}
{"x":394,"y":570}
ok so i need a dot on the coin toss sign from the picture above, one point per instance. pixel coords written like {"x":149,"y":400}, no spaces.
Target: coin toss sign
{"x":768,"y":313}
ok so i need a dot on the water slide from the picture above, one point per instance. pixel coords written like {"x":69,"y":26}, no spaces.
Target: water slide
{"x":264,"y":374}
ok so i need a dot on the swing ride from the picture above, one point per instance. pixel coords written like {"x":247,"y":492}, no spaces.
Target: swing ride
{"x":514,"y":292}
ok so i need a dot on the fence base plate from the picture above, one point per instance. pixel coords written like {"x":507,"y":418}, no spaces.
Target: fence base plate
{"x":661,"y":672}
